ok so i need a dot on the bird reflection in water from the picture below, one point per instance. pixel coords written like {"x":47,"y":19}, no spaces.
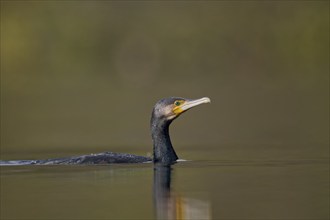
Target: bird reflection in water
{"x":170,"y":205}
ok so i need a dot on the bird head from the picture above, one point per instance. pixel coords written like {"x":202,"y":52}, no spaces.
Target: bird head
{"x":170,"y":108}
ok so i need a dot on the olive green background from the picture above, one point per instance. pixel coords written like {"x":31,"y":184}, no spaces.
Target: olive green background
{"x":84,"y":75}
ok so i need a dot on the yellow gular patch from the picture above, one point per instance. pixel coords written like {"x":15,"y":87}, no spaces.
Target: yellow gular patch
{"x":177,"y":107}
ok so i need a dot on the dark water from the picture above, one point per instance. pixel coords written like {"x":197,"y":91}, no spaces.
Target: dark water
{"x":255,"y":187}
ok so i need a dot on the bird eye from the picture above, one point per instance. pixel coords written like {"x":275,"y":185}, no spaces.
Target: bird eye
{"x":177,"y":103}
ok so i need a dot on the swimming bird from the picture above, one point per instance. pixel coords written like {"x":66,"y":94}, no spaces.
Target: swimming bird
{"x":163,"y":114}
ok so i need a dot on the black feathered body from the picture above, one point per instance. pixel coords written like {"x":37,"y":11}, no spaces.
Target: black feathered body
{"x":100,"y":158}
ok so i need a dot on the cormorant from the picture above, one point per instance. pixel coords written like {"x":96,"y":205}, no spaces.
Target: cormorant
{"x":164,"y":112}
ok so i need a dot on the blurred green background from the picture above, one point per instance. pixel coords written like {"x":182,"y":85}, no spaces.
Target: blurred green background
{"x":84,"y":75}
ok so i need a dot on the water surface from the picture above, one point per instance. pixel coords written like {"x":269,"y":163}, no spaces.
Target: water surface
{"x":261,"y":187}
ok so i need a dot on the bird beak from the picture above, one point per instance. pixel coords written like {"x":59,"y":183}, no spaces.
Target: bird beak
{"x":194,"y":102}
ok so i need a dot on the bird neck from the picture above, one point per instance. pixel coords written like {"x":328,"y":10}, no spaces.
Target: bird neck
{"x":163,"y":149}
